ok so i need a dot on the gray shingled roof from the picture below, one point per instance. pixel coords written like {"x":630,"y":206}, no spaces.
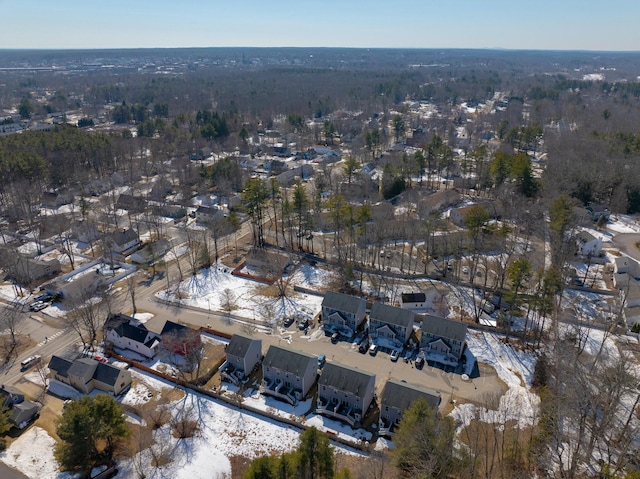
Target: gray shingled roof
{"x":341,"y":302}
{"x":392,"y":315}
{"x":81,"y":366}
{"x":239,"y":345}
{"x":60,"y":365}
{"x":445,"y":328}
{"x":345,"y":378}
{"x":284,"y":359}
{"x":585,"y":236}
{"x":106,"y":374}
{"x":400,"y":395}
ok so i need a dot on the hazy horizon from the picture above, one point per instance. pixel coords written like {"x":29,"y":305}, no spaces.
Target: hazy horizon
{"x":569,"y":25}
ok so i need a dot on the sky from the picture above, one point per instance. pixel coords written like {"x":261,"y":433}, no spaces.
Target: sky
{"x":513,"y":24}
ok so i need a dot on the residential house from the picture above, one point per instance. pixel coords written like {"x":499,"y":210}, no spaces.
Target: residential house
{"x":389,"y":326}
{"x":125,"y":332}
{"x":180,"y":339}
{"x":87,"y":374}
{"x":80,"y":288}
{"x":55,"y":199}
{"x":84,"y":232}
{"x":345,"y":393}
{"x":416,"y":302}
{"x":597,"y":211}
{"x":588,"y":245}
{"x":123,"y":242}
{"x":133,"y":204}
{"x":22,"y":412}
{"x":209,"y":214}
{"x":630,"y":298}
{"x":25,"y":269}
{"x":397,"y":396}
{"x":458,"y":215}
{"x":242,"y":354}
{"x":442,"y":340}
{"x":624,"y":264}
{"x":342,"y":313}
{"x":152,"y":252}
{"x":288,"y":374}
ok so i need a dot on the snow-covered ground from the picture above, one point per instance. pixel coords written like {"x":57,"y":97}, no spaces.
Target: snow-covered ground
{"x":515,"y":368}
{"x":216,"y":289}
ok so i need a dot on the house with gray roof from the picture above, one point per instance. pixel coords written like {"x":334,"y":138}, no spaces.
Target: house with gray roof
{"x":125,"y":332}
{"x":123,"y":241}
{"x":397,"y":396}
{"x":22,"y":411}
{"x":288,"y":374}
{"x":243,"y":354}
{"x":442,"y":340}
{"x":389,"y":326}
{"x":342,"y":313}
{"x":345,"y":393}
{"x":588,"y":245}
{"x":87,"y":374}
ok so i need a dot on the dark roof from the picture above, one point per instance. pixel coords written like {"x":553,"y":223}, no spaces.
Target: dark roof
{"x":392,"y":315}
{"x":239,"y":345}
{"x":414,"y":297}
{"x":60,"y":365}
{"x":400,"y":395}
{"x":106,"y":374}
{"x":170,"y":327}
{"x":81,"y":366}
{"x":125,"y":329}
{"x":345,"y":378}
{"x":124,"y":236}
{"x":25,"y":411}
{"x":445,"y":328}
{"x":284,"y":359}
{"x":341,"y":302}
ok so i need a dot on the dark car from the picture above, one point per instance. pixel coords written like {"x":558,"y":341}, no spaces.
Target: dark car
{"x":304,"y":324}
{"x":288,"y":321}
{"x":419,"y":362}
{"x":335,"y":337}
{"x":364,"y":346}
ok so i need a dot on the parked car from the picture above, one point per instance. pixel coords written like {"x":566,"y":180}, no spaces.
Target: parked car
{"x":373,"y":349}
{"x":394,"y":355}
{"x":321,"y":360}
{"x":364,"y":346}
{"x":304,"y":324}
{"x":38,"y":306}
{"x":419,"y":362}
{"x":335,"y":337}
{"x":288,"y":321}
{"x":465,"y":270}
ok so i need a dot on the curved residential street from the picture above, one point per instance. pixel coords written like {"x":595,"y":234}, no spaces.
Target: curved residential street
{"x":626,"y":242}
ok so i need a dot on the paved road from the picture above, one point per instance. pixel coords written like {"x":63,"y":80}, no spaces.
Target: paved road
{"x":626,"y":242}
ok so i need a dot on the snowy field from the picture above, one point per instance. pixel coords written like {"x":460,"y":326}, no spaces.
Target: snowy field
{"x":216,"y":289}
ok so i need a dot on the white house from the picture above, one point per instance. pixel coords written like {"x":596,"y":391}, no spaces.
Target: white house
{"x":125,"y":332}
{"x":588,"y":245}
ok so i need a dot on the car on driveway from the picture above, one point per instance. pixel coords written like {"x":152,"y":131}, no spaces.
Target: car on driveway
{"x":304,"y":324}
{"x":373,"y":349}
{"x":394,"y":355}
{"x":419,"y":362}
{"x":38,"y":306}
{"x":364,"y":346}
{"x":335,"y":337}
{"x":288,"y":321}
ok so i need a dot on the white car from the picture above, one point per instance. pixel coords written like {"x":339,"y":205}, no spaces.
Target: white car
{"x":38,"y":306}
{"x":394,"y":355}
